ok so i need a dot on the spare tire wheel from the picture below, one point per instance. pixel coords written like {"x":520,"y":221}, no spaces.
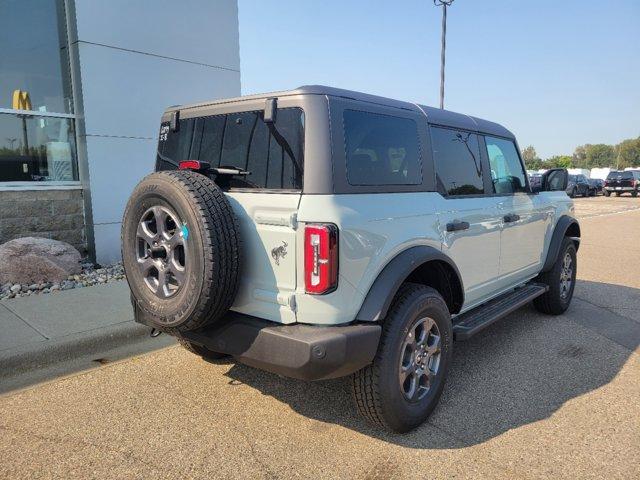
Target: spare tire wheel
{"x":180,"y":250}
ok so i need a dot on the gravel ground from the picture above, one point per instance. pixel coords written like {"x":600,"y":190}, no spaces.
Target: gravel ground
{"x":89,"y":276}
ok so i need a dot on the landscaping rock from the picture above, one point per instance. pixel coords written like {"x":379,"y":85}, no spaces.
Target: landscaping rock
{"x":33,"y":260}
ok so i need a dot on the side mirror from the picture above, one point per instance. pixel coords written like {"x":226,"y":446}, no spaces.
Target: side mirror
{"x":555,"y":180}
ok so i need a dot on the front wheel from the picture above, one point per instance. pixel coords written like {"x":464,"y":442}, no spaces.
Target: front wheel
{"x":402,"y":386}
{"x":561,"y":280}
{"x":573,"y":193}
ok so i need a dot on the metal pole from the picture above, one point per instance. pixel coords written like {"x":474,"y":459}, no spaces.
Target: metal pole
{"x":444,"y":45}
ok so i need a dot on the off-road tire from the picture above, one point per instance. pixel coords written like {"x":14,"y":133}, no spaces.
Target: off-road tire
{"x":376,"y":389}
{"x":551,"y":302}
{"x":204,"y":352}
{"x":213,"y":260}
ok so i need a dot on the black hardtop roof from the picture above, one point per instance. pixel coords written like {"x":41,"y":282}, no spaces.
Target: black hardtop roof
{"x":434,"y":116}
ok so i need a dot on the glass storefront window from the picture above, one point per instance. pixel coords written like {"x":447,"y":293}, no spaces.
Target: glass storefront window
{"x":35,"y":57}
{"x":36,"y":149}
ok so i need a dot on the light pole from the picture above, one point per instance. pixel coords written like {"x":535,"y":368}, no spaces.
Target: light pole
{"x":444,"y":4}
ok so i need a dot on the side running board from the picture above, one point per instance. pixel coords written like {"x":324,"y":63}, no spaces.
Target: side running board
{"x":468,"y":324}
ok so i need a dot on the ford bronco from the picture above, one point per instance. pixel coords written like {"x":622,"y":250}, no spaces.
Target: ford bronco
{"x":319,"y":233}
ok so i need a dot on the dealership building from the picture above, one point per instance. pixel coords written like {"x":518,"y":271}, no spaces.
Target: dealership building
{"x":83,"y":85}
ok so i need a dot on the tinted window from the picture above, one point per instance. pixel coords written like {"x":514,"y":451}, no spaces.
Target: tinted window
{"x":612,"y":175}
{"x":627,"y":175}
{"x":457,"y":160}
{"x":507,"y":173}
{"x":381,"y":149}
{"x":272,"y":154}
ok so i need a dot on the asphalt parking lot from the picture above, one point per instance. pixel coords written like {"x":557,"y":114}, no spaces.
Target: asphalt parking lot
{"x":530,"y":397}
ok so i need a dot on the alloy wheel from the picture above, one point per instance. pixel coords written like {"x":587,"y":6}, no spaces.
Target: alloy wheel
{"x":161,"y":251}
{"x":420,"y":359}
{"x":566,"y":276}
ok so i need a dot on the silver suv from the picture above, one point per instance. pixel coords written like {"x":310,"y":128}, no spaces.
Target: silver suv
{"x":319,"y":233}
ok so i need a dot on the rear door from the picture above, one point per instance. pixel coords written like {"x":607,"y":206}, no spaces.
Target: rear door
{"x":265,"y":200}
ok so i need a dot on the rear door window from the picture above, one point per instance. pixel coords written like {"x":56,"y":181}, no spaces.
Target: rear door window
{"x":272,"y":154}
{"x":381,"y":149}
{"x":456,"y":155}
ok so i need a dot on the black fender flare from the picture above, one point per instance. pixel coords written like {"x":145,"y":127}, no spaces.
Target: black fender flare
{"x":564,"y":223}
{"x":384,"y":288}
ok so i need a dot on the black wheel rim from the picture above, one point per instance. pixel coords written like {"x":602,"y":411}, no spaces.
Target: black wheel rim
{"x":161,"y":251}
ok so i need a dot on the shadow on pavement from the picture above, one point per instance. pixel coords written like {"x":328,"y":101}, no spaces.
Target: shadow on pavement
{"x":518,"y":371}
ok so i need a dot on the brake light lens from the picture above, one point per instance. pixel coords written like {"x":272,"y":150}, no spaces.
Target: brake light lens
{"x":320,"y":258}
{"x":193,"y":165}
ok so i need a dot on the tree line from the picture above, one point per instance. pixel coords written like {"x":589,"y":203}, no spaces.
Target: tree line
{"x":618,"y":157}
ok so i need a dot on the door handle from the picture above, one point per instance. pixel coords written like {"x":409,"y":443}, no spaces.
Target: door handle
{"x":512,"y":217}
{"x":457,"y":225}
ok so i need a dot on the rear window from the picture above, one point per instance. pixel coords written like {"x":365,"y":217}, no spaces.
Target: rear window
{"x":381,"y":149}
{"x":613,"y":175}
{"x":273,"y":154}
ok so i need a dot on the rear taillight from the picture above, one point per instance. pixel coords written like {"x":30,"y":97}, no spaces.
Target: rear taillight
{"x":196,"y":165}
{"x":606,"y":183}
{"x":320,"y":258}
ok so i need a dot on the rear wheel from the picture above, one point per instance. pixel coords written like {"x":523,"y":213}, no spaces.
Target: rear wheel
{"x":634,"y":194}
{"x":561,"y":280}
{"x":402,"y":386}
{"x":606,"y":193}
{"x":617,"y":194}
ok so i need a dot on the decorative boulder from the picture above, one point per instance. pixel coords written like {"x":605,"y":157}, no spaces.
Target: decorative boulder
{"x":32,"y":260}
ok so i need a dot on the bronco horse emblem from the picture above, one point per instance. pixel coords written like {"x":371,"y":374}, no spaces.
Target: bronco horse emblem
{"x":279,"y":252}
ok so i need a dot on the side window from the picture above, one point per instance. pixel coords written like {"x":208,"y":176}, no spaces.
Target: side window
{"x":381,"y":149}
{"x":456,"y":155}
{"x":507,"y":173}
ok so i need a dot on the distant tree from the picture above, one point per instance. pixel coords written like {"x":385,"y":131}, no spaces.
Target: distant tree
{"x":559,"y":161}
{"x":531,"y":159}
{"x":627,"y":153}
{"x":580,"y":156}
{"x":600,"y":155}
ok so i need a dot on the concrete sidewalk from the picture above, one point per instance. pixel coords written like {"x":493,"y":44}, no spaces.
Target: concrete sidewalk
{"x":40,"y":329}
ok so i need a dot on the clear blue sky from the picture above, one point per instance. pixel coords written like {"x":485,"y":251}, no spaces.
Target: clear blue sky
{"x":557,"y":73}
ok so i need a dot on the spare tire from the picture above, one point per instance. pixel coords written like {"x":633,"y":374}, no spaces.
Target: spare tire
{"x":181,"y":250}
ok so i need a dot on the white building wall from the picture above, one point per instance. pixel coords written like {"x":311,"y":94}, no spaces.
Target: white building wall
{"x":135,"y":59}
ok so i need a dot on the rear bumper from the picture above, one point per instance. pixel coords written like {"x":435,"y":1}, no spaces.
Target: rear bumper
{"x":298,"y":351}
{"x":620,"y":189}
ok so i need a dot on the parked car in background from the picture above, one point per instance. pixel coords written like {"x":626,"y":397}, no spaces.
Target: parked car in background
{"x":596,"y":186}
{"x":578,"y":185}
{"x":535,"y":180}
{"x":622,"y":182}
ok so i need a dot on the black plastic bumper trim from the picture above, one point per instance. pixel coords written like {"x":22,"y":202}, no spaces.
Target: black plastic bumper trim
{"x":306,"y":352}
